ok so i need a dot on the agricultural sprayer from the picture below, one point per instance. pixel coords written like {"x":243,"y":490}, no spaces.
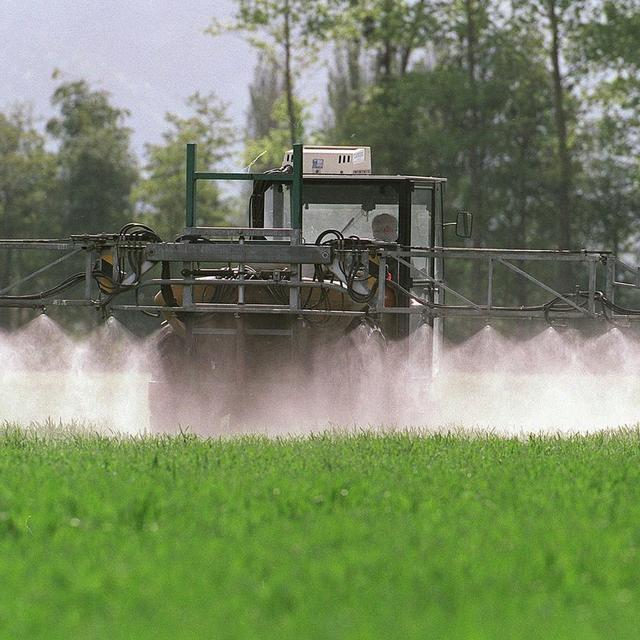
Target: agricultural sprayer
{"x":328,"y":249}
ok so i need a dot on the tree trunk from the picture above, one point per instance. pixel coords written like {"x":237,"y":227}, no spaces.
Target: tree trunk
{"x":353,"y":72}
{"x":411,"y":43}
{"x":385,"y":60}
{"x":521,"y":240}
{"x":288,"y":76}
{"x":564,"y":160}
{"x":474,"y":159}
{"x":474,"y":151}
{"x":386,"y":55}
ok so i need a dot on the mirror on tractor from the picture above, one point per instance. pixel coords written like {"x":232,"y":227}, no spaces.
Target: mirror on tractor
{"x":464,"y":224}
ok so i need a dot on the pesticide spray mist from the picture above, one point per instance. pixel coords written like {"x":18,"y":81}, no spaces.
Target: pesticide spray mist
{"x":559,"y":381}
{"x":99,"y":381}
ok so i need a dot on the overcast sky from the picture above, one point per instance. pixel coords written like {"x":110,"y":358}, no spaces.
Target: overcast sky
{"x":149,"y":54}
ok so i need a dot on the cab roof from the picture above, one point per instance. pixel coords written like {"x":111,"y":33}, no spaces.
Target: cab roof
{"x":371,"y":178}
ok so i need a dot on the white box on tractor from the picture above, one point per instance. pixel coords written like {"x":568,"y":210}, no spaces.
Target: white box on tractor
{"x":333,"y":160}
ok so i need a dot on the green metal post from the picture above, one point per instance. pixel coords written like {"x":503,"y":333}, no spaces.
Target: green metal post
{"x":296,"y":188}
{"x":191,"y":185}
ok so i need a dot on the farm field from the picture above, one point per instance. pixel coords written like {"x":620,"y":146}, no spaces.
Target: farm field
{"x":393,"y":535}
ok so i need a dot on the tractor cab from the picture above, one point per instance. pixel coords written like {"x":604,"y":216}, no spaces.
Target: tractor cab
{"x":340,"y":193}
{"x":344,"y":204}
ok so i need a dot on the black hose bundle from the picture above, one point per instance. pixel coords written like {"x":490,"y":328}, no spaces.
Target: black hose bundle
{"x":356,"y":270}
{"x":557,"y":304}
{"x":67,"y":283}
{"x":109,"y":282}
{"x":132,"y":232}
{"x":358,"y":267}
{"x":110,"y":274}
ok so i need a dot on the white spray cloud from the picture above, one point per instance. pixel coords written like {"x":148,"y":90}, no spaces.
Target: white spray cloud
{"x":100,"y":380}
{"x":557,"y":381}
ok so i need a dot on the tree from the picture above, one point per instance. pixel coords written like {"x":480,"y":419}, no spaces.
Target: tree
{"x":611,"y":137}
{"x":554,"y":10}
{"x":265,"y":91}
{"x":267,"y":152}
{"x":612,"y":37}
{"x":160,"y":196}
{"x":376,"y":42}
{"x":96,"y":167}
{"x":472,"y":25}
{"x":346,"y":87}
{"x":430,"y":87}
{"x":391,"y":31}
{"x":288,"y":33}
{"x":27,"y":172}
{"x":268,"y":132}
{"x":610,"y":187}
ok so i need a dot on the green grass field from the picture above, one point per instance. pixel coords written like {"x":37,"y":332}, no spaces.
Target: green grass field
{"x":333,"y":536}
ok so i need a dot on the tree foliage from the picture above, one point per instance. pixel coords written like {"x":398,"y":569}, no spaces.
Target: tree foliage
{"x":287,"y":35}
{"x":27,"y":175}
{"x":160,"y":196}
{"x":96,"y":168}
{"x":268,"y":133}
{"x":27,"y":184}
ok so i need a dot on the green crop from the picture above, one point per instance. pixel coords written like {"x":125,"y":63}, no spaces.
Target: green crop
{"x":397,"y":535}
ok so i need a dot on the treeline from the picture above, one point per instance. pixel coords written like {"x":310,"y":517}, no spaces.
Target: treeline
{"x":530,"y":108}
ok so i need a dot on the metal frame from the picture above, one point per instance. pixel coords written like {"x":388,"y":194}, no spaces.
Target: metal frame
{"x":493,"y":257}
{"x":69,"y":249}
{"x":600,"y":269}
{"x":294,"y":179}
{"x":241,"y":246}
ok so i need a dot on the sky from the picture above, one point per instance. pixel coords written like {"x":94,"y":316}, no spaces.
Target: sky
{"x":149,"y":54}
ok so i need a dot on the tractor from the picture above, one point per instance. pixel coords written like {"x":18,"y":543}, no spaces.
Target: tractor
{"x":283,"y":299}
